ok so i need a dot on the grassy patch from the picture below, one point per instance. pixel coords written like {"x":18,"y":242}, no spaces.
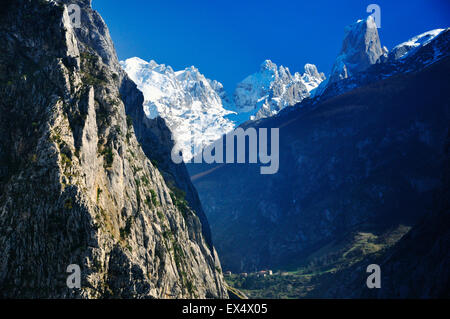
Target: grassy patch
{"x":126,"y":230}
{"x":92,"y":74}
{"x":99,"y":191}
{"x":108,"y":156}
{"x":129,"y":121}
{"x":154,"y":198}
{"x":178,"y":199}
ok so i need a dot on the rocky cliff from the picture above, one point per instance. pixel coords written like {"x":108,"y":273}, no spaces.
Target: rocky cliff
{"x":76,"y":186}
{"x":361,"y":48}
{"x":364,"y":68}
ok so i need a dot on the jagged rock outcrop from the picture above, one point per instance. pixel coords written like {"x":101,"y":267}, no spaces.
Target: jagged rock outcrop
{"x":76,"y":186}
{"x":363,"y":60}
{"x":312,"y":78}
{"x":273,"y":88}
{"x":360,"y":49}
{"x":410,"y":56}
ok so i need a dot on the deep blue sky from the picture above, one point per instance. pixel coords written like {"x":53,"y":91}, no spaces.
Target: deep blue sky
{"x":228,"y":39}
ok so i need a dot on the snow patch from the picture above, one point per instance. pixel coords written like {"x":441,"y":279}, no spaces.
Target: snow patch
{"x":189,"y":103}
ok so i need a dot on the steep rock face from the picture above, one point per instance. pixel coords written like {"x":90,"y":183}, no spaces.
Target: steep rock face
{"x":188,"y":102}
{"x":370,"y":157}
{"x":418,"y":266}
{"x":273,"y":88}
{"x":76,"y":187}
{"x":362,"y":60}
{"x":157,"y":143}
{"x":360,"y":49}
{"x":410,"y":56}
{"x":154,"y":135}
{"x":312,"y":78}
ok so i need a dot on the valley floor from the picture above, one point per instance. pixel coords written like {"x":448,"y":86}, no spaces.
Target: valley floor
{"x":321,"y":267}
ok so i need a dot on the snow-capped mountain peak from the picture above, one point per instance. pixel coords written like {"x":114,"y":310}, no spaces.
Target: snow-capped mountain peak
{"x":404,"y":49}
{"x":190,"y":103}
{"x":273,"y":88}
{"x":363,"y":60}
{"x":312,"y":78}
{"x":360,"y":49}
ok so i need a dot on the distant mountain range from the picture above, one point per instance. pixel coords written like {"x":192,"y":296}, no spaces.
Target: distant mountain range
{"x":361,"y":153}
{"x":87,"y":179}
{"x":198,"y":110}
{"x":364,"y":154}
{"x":273,"y":88}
